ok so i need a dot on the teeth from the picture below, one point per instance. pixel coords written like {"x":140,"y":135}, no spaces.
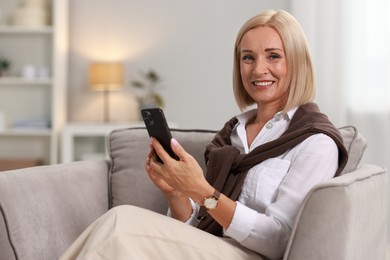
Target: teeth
{"x":263,"y":83}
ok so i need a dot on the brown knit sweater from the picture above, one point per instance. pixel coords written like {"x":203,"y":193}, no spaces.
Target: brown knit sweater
{"x":227,"y":168}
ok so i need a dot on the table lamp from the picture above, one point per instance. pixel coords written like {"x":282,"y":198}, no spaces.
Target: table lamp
{"x":106,"y":77}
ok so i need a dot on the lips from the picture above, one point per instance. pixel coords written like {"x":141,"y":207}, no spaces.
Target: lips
{"x":263,"y":83}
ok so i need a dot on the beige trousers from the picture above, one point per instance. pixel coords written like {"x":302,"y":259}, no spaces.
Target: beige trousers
{"x":128,"y":232}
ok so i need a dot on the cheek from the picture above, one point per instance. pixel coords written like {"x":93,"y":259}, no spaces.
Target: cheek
{"x":282,"y":70}
{"x":245,"y":77}
{"x":245,"y":72}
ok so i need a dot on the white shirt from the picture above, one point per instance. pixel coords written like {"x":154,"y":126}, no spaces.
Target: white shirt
{"x":274,"y":189}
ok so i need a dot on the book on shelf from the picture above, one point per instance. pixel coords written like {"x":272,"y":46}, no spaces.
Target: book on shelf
{"x":32,"y":124}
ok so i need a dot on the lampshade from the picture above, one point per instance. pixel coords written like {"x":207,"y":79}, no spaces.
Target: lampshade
{"x":105,"y":76}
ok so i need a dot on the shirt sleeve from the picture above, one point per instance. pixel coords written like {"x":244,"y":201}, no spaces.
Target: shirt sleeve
{"x":193,"y":220}
{"x":311,"y":162}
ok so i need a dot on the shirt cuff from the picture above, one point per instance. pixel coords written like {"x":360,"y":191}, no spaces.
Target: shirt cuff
{"x":244,"y":219}
{"x":193,"y":220}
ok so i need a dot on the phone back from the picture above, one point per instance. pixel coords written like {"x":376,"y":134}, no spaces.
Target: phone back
{"x":157,"y":127}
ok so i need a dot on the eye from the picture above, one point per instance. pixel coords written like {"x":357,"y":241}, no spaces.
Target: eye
{"x":274,"y":56}
{"x":248,"y":58}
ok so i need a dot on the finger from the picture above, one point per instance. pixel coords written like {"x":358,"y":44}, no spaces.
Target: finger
{"x":153,"y":170}
{"x":159,"y":149}
{"x":154,"y":164}
{"x":151,"y":150}
{"x":178,"y":149}
{"x":147,"y":163}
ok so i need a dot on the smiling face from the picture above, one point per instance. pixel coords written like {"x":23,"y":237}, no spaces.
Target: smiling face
{"x":263,"y":67}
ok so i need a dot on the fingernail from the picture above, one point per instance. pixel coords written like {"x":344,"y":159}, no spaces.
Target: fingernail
{"x":174,"y":141}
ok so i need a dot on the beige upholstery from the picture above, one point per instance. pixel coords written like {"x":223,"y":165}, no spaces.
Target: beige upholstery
{"x":128,"y":155}
{"x":344,"y":218}
{"x":355,"y":144}
{"x":43,"y":209}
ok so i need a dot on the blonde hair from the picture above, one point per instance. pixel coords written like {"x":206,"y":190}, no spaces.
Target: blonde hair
{"x":300,"y":75}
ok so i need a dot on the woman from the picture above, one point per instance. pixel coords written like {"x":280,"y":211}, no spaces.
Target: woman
{"x":260,"y":165}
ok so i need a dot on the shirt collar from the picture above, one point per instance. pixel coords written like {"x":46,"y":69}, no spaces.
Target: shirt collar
{"x":246,"y":116}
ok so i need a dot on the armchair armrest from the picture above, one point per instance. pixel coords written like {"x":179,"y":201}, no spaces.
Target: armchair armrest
{"x":43,"y":209}
{"x":343,"y":218}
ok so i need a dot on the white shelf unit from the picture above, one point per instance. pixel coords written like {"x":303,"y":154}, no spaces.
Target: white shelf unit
{"x":80,"y":139}
{"x":36,"y":98}
{"x":14,"y":81}
{"x":8,"y":29}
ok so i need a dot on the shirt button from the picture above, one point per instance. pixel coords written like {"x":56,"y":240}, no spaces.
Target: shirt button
{"x":269,"y":125}
{"x":279,"y":116}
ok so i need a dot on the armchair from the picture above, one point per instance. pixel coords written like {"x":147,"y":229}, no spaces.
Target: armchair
{"x":43,"y":209}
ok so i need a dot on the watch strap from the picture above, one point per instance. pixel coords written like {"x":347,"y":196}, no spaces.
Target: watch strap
{"x":216,"y":194}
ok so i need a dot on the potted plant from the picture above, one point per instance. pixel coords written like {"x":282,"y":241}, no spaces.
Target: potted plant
{"x":4,"y":67}
{"x":148,"y":83}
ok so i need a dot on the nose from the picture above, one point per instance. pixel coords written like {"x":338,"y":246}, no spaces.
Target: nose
{"x":261,"y":66}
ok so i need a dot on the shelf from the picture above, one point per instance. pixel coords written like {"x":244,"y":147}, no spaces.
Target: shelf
{"x":25,"y":132}
{"x":24,"y":30}
{"x":43,"y":96}
{"x":76,"y":134}
{"x":24,"y":81}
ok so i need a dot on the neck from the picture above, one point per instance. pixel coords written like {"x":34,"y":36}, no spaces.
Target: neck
{"x":265,"y":113}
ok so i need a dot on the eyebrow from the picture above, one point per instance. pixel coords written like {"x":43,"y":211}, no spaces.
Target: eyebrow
{"x":267,"y":50}
{"x":273,"y":49}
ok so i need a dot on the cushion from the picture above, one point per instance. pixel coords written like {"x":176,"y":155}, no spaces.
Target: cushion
{"x":355,"y":144}
{"x":128,"y":148}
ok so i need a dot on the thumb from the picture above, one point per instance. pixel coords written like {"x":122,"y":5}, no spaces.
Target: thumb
{"x":178,"y":149}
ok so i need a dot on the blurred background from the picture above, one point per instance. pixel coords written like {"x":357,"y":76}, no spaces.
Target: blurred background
{"x":189,"y":46}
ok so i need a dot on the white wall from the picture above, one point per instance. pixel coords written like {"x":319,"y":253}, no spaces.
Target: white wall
{"x":321,"y":22}
{"x":190,"y":43}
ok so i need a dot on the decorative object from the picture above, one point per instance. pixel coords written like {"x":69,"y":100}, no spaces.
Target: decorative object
{"x":5,"y":66}
{"x":106,"y":77}
{"x":28,"y":72}
{"x":149,"y":82}
{"x":32,"y":13}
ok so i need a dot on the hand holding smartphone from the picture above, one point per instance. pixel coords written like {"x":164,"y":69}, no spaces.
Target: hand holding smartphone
{"x":157,"y":127}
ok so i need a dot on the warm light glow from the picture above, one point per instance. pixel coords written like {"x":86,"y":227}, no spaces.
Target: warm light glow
{"x":106,"y":76}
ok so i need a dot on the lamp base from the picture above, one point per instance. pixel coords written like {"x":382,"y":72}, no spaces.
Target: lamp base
{"x":106,"y":108}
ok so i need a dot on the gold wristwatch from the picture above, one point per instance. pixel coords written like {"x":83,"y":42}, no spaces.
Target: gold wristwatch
{"x":212,"y":201}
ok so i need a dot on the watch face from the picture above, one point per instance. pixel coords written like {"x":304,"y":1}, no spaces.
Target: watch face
{"x":210,"y":203}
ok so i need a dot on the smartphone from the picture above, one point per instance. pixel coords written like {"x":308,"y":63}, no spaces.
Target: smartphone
{"x":157,"y":127}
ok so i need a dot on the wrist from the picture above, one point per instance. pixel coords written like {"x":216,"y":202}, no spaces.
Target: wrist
{"x":211,"y":202}
{"x":180,"y":207}
{"x":175,"y":196}
{"x":201,"y":194}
